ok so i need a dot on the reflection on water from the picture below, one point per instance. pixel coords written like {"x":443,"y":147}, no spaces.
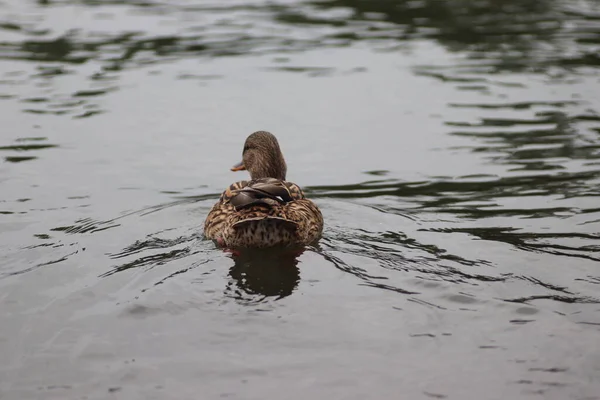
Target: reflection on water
{"x":500,"y":258}
{"x":515,"y":35}
{"x":261,"y":274}
{"x":511,"y":35}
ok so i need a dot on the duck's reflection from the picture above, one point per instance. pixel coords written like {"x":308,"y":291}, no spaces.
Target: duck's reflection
{"x":261,"y":274}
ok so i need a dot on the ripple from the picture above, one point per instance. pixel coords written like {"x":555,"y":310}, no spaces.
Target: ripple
{"x":37,"y":266}
{"x":24,"y":145}
{"x":28,"y":147}
{"x":18,"y":159}
{"x":86,"y":225}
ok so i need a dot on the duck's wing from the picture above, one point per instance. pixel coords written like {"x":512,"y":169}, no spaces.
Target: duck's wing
{"x":232,"y":191}
{"x":308,"y":218}
{"x":269,"y":192}
{"x":295,"y":191}
{"x":221,"y":211}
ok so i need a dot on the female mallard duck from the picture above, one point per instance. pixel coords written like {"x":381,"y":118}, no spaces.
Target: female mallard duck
{"x":266,"y":211}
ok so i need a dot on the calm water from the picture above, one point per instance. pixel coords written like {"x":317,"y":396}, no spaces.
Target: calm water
{"x":453,"y":147}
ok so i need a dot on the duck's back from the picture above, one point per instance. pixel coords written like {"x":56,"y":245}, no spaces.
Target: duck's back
{"x":264,"y":213}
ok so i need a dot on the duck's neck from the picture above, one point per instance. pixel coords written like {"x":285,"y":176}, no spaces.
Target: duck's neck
{"x":268,"y":173}
{"x":272,"y":167}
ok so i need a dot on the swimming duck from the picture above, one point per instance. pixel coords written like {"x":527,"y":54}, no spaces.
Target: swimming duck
{"x":266,"y":211}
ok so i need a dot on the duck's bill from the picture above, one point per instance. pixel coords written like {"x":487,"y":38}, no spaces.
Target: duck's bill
{"x":238,"y":167}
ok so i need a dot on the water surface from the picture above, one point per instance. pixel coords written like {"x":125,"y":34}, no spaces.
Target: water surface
{"x":453,"y":147}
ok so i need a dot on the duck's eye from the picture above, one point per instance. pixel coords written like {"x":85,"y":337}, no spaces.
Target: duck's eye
{"x":246,"y":147}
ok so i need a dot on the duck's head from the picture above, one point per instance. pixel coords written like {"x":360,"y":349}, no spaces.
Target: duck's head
{"x":262,"y":157}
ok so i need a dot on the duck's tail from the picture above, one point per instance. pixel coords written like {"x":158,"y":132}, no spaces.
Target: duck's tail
{"x":267,"y":221}
{"x":264,"y":231}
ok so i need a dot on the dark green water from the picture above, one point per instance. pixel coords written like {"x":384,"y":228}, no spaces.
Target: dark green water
{"x":453,"y":147}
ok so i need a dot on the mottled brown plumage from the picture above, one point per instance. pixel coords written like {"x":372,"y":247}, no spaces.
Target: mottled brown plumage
{"x":266,"y":211}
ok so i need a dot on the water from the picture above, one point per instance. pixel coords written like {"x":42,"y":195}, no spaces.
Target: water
{"x":453,"y":147}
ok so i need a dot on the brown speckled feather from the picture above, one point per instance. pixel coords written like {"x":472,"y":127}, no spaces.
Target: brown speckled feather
{"x":271,"y":213}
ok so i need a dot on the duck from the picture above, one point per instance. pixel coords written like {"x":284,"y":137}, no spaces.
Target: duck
{"x":267,"y":210}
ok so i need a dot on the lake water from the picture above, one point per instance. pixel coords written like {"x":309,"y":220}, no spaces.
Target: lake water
{"x":452,"y":146}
